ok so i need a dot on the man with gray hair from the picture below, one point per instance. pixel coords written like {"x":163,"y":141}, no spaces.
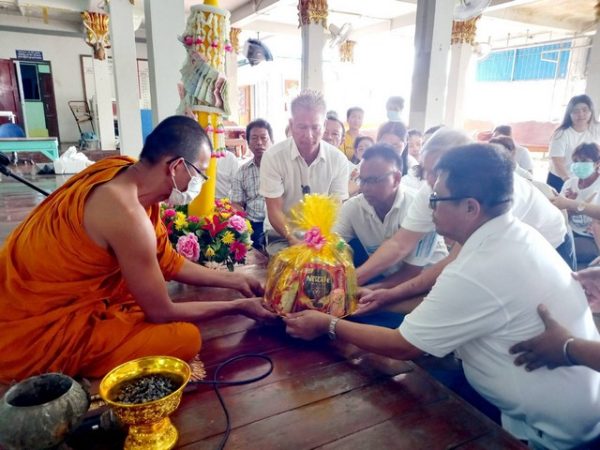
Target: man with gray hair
{"x":529,"y":205}
{"x":302,"y":164}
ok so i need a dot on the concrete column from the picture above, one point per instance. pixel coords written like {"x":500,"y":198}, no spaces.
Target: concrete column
{"x":458,"y":78}
{"x":313,"y":40}
{"x":166,"y":55}
{"x":592,"y":87}
{"x":432,"y":42}
{"x":103,"y":113}
{"x":126,"y":82}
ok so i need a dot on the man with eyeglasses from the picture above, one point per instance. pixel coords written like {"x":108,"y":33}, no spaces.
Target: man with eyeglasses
{"x":485,"y":302}
{"x":529,"y":205}
{"x":300,"y":165}
{"x":246,"y":182}
{"x":83,"y":277}
{"x":376,"y":213}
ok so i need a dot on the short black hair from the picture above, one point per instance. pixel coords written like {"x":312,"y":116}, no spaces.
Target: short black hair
{"x":413,"y":132}
{"x":505,"y":141}
{"x":384,"y":151}
{"x":433,"y":129}
{"x":480,"y":171}
{"x":259,"y":123}
{"x":588,"y":150}
{"x":359,"y":139}
{"x":353,"y":110}
{"x":395,"y":103}
{"x":504,"y":130}
{"x":176,"y":136}
{"x":340,"y":123}
{"x":397,"y":128}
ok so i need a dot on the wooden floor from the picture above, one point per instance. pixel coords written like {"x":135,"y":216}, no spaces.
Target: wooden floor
{"x":320,"y":394}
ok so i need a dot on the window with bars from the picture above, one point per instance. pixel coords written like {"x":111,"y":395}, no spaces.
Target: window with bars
{"x":532,"y":63}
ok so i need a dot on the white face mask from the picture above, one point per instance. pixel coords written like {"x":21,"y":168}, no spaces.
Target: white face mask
{"x":178,"y":197}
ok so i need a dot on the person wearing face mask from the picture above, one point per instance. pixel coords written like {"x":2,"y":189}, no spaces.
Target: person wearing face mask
{"x":581,"y":190}
{"x":83,"y":277}
{"x":394,"y":107}
{"x":579,"y":125}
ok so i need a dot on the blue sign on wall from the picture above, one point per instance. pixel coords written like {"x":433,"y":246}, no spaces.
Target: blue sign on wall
{"x":31,"y":55}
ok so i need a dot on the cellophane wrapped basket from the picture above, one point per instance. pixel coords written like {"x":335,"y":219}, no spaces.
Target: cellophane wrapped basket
{"x":317,"y":273}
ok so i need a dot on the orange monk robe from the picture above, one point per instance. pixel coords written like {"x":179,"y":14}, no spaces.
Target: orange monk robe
{"x":64,"y":305}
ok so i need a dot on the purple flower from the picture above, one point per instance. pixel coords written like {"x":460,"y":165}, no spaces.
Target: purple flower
{"x":237,"y":223}
{"x":188,"y":246}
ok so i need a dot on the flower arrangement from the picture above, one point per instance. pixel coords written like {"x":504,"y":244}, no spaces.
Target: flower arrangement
{"x":220,"y":239}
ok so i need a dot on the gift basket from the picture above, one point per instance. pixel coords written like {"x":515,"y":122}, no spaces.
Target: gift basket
{"x":318,"y":273}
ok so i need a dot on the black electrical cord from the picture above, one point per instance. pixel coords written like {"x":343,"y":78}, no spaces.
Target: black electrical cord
{"x":215,"y":383}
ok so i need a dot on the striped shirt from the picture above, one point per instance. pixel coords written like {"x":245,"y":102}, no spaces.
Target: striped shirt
{"x":244,"y":190}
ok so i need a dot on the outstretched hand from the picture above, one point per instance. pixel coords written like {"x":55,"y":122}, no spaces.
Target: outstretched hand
{"x":545,"y":349}
{"x":590,"y":281}
{"x":371,"y":300}
{"x":253,"y":308}
{"x":307,"y":325}
{"x":562,"y":202}
{"x":249,"y":286}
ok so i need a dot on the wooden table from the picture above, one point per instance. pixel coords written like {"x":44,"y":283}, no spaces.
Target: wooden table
{"x":321,"y":394}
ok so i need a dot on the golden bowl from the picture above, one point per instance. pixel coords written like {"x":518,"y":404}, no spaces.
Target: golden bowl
{"x":149,"y":425}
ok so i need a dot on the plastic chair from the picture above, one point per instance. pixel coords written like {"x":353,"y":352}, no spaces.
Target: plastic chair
{"x":11,"y":130}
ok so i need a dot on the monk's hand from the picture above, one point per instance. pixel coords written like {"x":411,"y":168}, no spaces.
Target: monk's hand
{"x":307,"y":325}
{"x":253,"y":308}
{"x":372,"y":301}
{"x":249,"y":286}
{"x":545,"y":349}
{"x":590,"y":281}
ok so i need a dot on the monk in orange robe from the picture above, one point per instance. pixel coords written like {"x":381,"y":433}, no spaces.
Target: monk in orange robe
{"x":82,"y":279}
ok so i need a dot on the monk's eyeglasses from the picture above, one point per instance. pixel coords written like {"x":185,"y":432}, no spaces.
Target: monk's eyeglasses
{"x":197,"y":169}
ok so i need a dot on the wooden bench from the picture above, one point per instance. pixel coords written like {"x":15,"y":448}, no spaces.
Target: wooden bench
{"x":48,"y":146}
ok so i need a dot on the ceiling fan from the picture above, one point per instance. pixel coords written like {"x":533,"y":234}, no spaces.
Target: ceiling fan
{"x":339,"y":35}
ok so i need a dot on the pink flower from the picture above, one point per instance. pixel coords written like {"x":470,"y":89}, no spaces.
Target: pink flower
{"x":193,"y":219}
{"x":169,"y":213}
{"x":314,"y":238}
{"x":188,"y":246}
{"x":239,"y":251}
{"x":237,"y":223}
{"x":188,"y":40}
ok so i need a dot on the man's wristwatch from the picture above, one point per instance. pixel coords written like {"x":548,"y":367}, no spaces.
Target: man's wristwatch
{"x":580,"y":207}
{"x":331,"y":330}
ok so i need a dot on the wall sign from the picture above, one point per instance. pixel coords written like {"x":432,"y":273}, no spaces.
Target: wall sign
{"x":31,"y":55}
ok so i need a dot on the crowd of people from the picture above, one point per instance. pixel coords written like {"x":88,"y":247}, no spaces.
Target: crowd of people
{"x":475,"y":257}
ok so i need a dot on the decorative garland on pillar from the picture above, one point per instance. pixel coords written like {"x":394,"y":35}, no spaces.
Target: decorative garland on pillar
{"x":96,"y":32}
{"x":234,"y":39}
{"x":464,"y":31}
{"x":312,"y":11}
{"x":347,"y":51}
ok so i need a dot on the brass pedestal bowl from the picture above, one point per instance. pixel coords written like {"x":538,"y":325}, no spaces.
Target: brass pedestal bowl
{"x":149,"y":425}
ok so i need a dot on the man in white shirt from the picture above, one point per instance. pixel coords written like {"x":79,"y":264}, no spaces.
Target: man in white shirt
{"x":522,"y":155}
{"x":300,"y":165}
{"x":227,"y":167}
{"x":376,"y":214}
{"x":529,"y":205}
{"x":485,"y":301}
